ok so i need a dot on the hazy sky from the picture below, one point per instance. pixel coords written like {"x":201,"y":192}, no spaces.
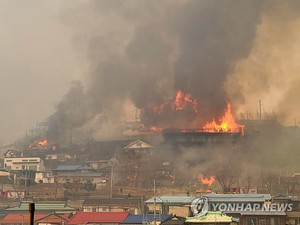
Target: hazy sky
{"x":37,"y":61}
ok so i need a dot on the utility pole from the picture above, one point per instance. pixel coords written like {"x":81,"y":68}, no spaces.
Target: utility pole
{"x":259,"y":103}
{"x":154,"y":213}
{"x":112,"y":176}
{"x":31,"y":211}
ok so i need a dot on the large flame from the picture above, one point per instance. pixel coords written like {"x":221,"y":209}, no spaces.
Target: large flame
{"x":207,"y":180}
{"x":224,"y":124}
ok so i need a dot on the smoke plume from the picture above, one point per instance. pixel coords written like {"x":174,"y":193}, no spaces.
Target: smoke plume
{"x":143,"y":52}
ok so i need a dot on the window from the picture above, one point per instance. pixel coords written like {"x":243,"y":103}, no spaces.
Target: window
{"x":274,"y":221}
{"x":251,"y":221}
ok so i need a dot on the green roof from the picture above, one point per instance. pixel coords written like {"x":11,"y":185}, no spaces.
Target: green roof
{"x":24,"y":206}
{"x":211,"y":217}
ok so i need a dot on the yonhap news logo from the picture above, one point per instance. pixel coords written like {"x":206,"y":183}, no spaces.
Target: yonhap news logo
{"x":202,"y":205}
{"x":199,"y":205}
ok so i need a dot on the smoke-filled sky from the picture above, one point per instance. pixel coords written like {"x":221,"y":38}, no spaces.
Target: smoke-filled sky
{"x":78,"y":61}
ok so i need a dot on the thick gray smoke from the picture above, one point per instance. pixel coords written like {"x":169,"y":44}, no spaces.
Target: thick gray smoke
{"x":145,"y":51}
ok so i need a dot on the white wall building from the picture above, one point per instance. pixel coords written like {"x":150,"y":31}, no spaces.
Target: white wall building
{"x":24,"y":163}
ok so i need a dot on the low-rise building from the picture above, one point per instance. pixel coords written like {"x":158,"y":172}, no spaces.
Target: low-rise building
{"x":24,"y":163}
{"x":132,"y":205}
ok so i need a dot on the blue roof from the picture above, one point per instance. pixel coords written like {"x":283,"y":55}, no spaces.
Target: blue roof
{"x":139,"y":219}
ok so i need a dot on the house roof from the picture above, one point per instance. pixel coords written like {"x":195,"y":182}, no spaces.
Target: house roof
{"x":112,"y":201}
{"x":68,"y":167}
{"x":175,"y":220}
{"x":263,"y":213}
{"x":139,"y":219}
{"x":98,"y":217}
{"x":211,"y":217}
{"x":80,"y":174}
{"x":138,"y":144}
{"x":19,"y":218}
{"x":175,"y":200}
{"x":55,"y":207}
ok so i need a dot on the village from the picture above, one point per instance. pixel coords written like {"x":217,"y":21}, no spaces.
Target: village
{"x":132,"y":181}
{"x":140,"y":112}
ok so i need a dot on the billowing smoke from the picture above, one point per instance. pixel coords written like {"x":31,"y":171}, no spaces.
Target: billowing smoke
{"x":145,"y":51}
{"x":270,"y":72}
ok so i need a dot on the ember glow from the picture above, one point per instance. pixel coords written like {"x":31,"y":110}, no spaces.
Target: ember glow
{"x":224,"y":124}
{"x":207,"y":180}
{"x":156,"y":129}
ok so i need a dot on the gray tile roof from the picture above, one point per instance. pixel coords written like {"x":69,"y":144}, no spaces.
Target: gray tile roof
{"x":68,"y":167}
{"x":112,"y":201}
{"x":172,"y":199}
{"x":213,"y":197}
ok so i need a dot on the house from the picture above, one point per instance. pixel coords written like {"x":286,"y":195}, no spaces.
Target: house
{"x":134,"y":161}
{"x":179,"y":205}
{"x":103,"y":218}
{"x":60,"y":157}
{"x":81,"y":173}
{"x":132,"y":205}
{"x":262,"y":218}
{"x":53,"y":219}
{"x":100,"y":164}
{"x":138,"y":147}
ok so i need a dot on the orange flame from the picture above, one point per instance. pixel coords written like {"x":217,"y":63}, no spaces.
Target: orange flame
{"x":207,"y":180}
{"x":181,"y":101}
{"x":225,"y":124}
{"x":156,"y":129}
{"x":39,"y":144}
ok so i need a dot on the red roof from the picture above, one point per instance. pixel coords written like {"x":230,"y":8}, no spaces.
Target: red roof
{"x":98,"y":217}
{"x":19,"y":218}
